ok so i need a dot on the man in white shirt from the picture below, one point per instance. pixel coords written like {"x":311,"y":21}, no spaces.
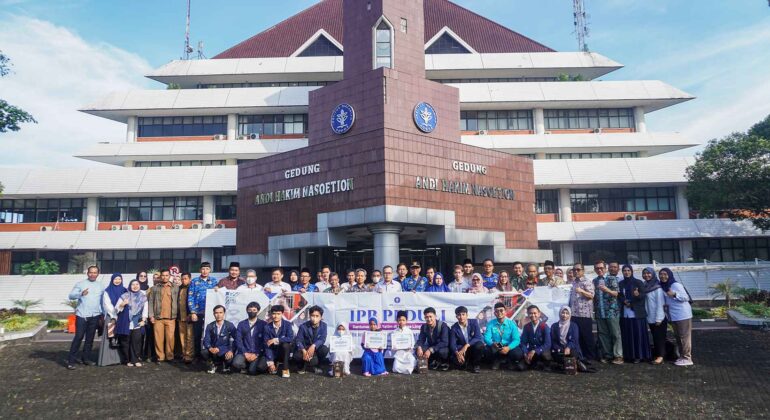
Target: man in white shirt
{"x":459,"y":285}
{"x":324,"y":283}
{"x":351,"y":276}
{"x":277,"y":285}
{"x":251,"y":282}
{"x":387,"y":285}
{"x":468,"y":271}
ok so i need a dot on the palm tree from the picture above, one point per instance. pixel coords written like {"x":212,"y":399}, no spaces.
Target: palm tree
{"x":728,"y":288}
{"x":25,"y":304}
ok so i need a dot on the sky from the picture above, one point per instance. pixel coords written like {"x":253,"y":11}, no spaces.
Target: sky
{"x":68,"y":53}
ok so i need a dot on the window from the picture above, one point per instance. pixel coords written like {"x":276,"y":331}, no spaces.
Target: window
{"x":168,"y":163}
{"x":633,"y":252}
{"x":383,"y":46}
{"x":623,"y":199}
{"x":495,"y":120}
{"x":546,"y":201}
{"x":260,"y":84}
{"x":182,"y":126}
{"x":498,"y":80}
{"x":225,"y":207}
{"x":321,"y":47}
{"x":731,"y":249}
{"x":134,"y":261}
{"x":150,"y":209}
{"x":613,"y":155}
{"x":572,"y":119}
{"x":446,"y":44}
{"x":272,"y":124}
{"x":404,"y":25}
{"x":42,"y":211}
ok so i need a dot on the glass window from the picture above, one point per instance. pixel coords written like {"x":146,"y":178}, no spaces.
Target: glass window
{"x":225,"y":207}
{"x":383,"y":46}
{"x":150,"y":209}
{"x":182,"y":126}
{"x":622,"y":200}
{"x":131,"y":261}
{"x":321,"y":47}
{"x":42,"y":211}
{"x":633,"y":252}
{"x":546,"y":201}
{"x":496,"y":120}
{"x":272,"y":124}
{"x":727,"y":250}
{"x":563,"y":119}
{"x":446,"y":44}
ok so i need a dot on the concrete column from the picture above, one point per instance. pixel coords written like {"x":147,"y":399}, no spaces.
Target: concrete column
{"x":682,"y":206}
{"x":207,"y":255}
{"x":128,"y":164}
{"x":540,"y":155}
{"x":539,"y":120}
{"x":131,"y":129}
{"x":92,"y":213}
{"x":567,"y":253}
{"x":641,"y":125}
{"x":232,"y":126}
{"x":685,"y":250}
{"x":209,"y":210}
{"x":231,"y":161}
{"x":565,"y":208}
{"x":385,"y":244}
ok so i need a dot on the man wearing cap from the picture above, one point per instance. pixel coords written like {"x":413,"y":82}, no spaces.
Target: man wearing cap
{"x":233,"y":280}
{"x":196,"y":302}
{"x":250,"y":343}
{"x":466,"y":344}
{"x":415,"y":282}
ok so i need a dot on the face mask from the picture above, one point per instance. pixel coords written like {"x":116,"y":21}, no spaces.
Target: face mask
{"x":252,"y":315}
{"x":251,"y":280}
{"x":376,"y":279}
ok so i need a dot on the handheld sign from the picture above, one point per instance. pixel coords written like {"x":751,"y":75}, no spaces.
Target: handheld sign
{"x":401,"y":341}
{"x":375,"y":340}
{"x":343,"y":343}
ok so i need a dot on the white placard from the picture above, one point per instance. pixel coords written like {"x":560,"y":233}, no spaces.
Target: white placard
{"x":343,"y":343}
{"x":375,"y":340}
{"x":401,"y":341}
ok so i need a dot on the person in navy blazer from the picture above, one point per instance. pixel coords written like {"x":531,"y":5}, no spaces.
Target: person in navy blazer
{"x":433,"y":341}
{"x":466,"y":342}
{"x":565,"y":339}
{"x":536,"y":340}
{"x":218,"y":342}
{"x":279,"y":340}
{"x":249,"y":342}
{"x":311,"y":342}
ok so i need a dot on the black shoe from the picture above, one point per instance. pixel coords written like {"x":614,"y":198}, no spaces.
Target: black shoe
{"x":89,"y":363}
{"x":521,"y":367}
{"x":433,"y":365}
{"x":444,"y":367}
{"x":70,"y":366}
{"x":476,"y":369}
{"x":318,"y":371}
{"x":496,"y":365}
{"x":581,"y":367}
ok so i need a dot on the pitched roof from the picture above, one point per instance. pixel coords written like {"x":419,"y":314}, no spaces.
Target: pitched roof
{"x":484,"y":35}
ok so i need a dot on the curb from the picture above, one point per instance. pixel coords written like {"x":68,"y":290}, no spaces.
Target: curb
{"x":33,"y":334}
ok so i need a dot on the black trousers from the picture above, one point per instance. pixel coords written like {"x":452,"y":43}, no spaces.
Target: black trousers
{"x":123,"y":345}
{"x":259,"y":365}
{"x":216,"y":358}
{"x":659,"y":338}
{"x":544,"y":357}
{"x":198,"y":334}
{"x":319,"y":357}
{"x":84,"y":328}
{"x":515,"y":355}
{"x":472,"y":356}
{"x":441,"y":356}
{"x":148,"y":351}
{"x":587,"y":339}
{"x":282,"y":351}
{"x":132,"y":348}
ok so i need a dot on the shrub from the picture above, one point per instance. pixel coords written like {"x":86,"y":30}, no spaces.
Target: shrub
{"x":40,"y":266}
{"x":25,"y":304}
{"x":7,"y":313}
{"x":754,"y":310}
{"x":20,"y":322}
{"x":701,"y":313}
{"x":726,"y":289}
{"x":756,"y":296}
{"x":55,"y":324}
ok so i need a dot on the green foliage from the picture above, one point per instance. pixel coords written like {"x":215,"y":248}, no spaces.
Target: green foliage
{"x":71,"y":303}
{"x":755,"y":296}
{"x":725,"y":289}
{"x":5,"y":65}
{"x":761,"y":129}
{"x":25,"y":304}
{"x":754,"y":310}
{"x":564,"y":77}
{"x":7,"y":313}
{"x":11,"y":116}
{"x":719,"y":312}
{"x":20,"y":323}
{"x":172,"y":86}
{"x":732,"y":177}
{"x":40,"y":266}
{"x":57,"y":324}
{"x":80,"y":262}
{"x":700,"y":313}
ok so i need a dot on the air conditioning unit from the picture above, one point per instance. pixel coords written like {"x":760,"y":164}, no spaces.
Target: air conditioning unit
{"x":483,"y":132}
{"x":46,"y":228}
{"x":160,"y":227}
{"x":142,"y":227}
{"x":253,"y":136}
{"x":177,"y":227}
{"x":641,"y":218}
{"x":115,"y":227}
{"x":242,"y":137}
{"x":220,"y":226}
{"x":547,"y":132}
{"x":597,"y":130}
{"x":629,"y":217}
{"x":126,"y":227}
{"x":196,"y":226}
{"x":208,"y":226}
{"x":220,"y":137}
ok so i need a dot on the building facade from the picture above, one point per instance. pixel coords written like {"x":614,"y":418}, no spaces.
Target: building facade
{"x":172,"y":192}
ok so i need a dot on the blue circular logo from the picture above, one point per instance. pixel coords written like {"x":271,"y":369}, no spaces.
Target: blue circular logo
{"x":343,"y":118}
{"x":397,"y":300}
{"x":425,"y":117}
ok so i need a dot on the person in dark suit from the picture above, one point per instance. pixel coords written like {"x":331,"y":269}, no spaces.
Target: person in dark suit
{"x":249,"y":343}
{"x":466,"y":344}
{"x":218,"y":340}
{"x":311,"y":342}
{"x":279,"y":339}
{"x":433,"y":341}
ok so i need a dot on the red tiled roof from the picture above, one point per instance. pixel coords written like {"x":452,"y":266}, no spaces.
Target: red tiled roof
{"x":484,"y":35}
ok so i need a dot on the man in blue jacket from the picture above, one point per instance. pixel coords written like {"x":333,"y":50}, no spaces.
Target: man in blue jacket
{"x":502,"y":340}
{"x":536,"y":340}
{"x":249,"y":343}
{"x":279,"y":338}
{"x":466,"y":342}
{"x":88,"y":293}
{"x":311,"y":342}
{"x":218,"y":342}
{"x":433,"y":341}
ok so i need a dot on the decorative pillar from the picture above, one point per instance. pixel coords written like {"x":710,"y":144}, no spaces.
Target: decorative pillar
{"x":92,"y":213}
{"x":232,"y":126}
{"x":565,"y":206}
{"x":209,"y":210}
{"x":539,"y":117}
{"x":131,"y":129}
{"x":385,"y":244}
{"x":682,"y":206}
{"x":641,"y":125}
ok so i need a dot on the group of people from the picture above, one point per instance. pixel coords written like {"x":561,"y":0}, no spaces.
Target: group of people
{"x":144,"y":322}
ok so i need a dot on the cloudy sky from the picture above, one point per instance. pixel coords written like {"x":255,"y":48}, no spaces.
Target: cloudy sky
{"x":67,"y":53}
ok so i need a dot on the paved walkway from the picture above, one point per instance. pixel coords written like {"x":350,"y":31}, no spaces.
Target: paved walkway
{"x":731,"y":379}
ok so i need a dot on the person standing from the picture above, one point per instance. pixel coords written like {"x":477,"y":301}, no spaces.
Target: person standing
{"x":550,"y":279}
{"x":488,"y":275}
{"x":251,"y":282}
{"x":467,"y":270}
{"x":334,"y":281}
{"x":143,"y":280}
{"x":360,"y":285}
{"x":503,"y":283}
{"x":607,"y":315}
{"x":88,"y":294}
{"x":655,"y":301}
{"x":184,"y":321}
{"x":402,"y":272}
{"x":196,"y":303}
{"x":477,"y":284}
{"x":351,"y":280}
{"x":218,"y":342}
{"x":304,"y":285}
{"x":466,"y":342}
{"x":277,"y":285}
{"x":532,"y":277}
{"x":233,"y":279}
{"x":519,"y":279}
{"x":250,"y":343}
{"x":164,"y":308}
{"x":415,"y":282}
{"x":135,"y":303}
{"x":115,"y":323}
{"x":459,"y":285}
{"x":680,"y":314}
{"x":387,"y":285}
{"x":323,"y":283}
{"x":633,"y":317}
{"x":581,"y":304}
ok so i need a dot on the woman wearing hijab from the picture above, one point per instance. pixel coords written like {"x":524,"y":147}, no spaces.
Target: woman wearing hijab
{"x":144,"y":283}
{"x":373,"y":360}
{"x":134,"y":303}
{"x":438,"y":285}
{"x":679,"y":313}
{"x":565,"y":339}
{"x":477,"y":284}
{"x":633,"y":317}
{"x":293,"y":278}
{"x":504,"y":283}
{"x":655,"y":300}
{"x":341,"y":356}
{"x":114,"y":323}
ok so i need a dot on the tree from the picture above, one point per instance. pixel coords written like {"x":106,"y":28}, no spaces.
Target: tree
{"x":732,"y":177}
{"x":40,"y":266}
{"x":727,"y":289}
{"x":25,"y":304}
{"x":11,"y":116}
{"x":761,"y":129}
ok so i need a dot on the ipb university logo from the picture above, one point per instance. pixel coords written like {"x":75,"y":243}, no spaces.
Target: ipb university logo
{"x":343,"y":118}
{"x":425,"y":117}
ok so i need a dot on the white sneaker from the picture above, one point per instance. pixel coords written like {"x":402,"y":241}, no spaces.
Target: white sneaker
{"x":684,"y":362}
{"x":285,"y":373}
{"x":212,"y":369}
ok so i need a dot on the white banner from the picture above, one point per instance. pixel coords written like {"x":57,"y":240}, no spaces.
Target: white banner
{"x":355,"y":309}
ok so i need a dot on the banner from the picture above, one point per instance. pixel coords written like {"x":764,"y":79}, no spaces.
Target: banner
{"x":355,"y":309}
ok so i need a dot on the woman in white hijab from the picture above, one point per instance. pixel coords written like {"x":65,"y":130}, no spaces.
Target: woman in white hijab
{"x":403,"y":359}
{"x":344,"y":357}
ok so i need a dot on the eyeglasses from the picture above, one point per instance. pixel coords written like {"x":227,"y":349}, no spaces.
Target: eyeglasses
{"x":499,"y":310}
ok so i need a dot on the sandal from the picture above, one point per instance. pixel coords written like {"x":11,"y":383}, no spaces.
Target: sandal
{"x":137,"y":364}
{"x":130,"y":364}
{"x":658,"y":361}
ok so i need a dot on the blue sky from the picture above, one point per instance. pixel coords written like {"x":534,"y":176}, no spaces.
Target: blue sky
{"x":716,"y":50}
